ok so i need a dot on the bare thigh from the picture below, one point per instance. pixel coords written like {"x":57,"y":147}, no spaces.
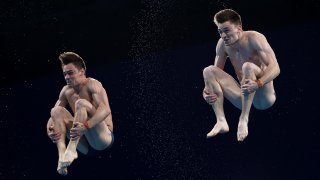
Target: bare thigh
{"x":264,"y":97}
{"x":68,"y":119}
{"x":63,"y":114}
{"x":230,"y":87}
{"x":99,"y":137}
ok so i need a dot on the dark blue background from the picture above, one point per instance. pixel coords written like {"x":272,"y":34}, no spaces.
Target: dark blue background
{"x":149,"y":57}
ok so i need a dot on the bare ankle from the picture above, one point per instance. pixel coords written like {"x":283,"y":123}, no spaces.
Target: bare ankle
{"x":221,"y":120}
{"x":243,"y":119}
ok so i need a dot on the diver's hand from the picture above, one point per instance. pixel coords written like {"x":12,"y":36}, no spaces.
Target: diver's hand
{"x":249,"y":86}
{"x":53,"y":134}
{"x":210,"y":98}
{"x":77,"y":130}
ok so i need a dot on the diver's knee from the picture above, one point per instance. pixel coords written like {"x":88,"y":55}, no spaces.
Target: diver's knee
{"x":248,"y":67}
{"x":210,"y":71}
{"x":57,"y":111}
{"x":80,"y":103}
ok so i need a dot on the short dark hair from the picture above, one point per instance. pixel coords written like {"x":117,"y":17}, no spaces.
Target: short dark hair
{"x":227,"y":15}
{"x":71,"y":57}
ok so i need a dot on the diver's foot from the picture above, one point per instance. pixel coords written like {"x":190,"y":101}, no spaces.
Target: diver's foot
{"x":62,"y":170}
{"x":69,"y":157}
{"x":242,"y":130}
{"x":219,"y":128}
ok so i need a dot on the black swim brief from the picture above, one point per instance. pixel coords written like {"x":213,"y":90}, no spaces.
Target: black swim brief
{"x":93,"y":152}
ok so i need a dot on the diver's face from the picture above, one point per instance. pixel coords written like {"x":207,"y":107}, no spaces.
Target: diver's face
{"x":72,"y":74}
{"x":229,"y":32}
